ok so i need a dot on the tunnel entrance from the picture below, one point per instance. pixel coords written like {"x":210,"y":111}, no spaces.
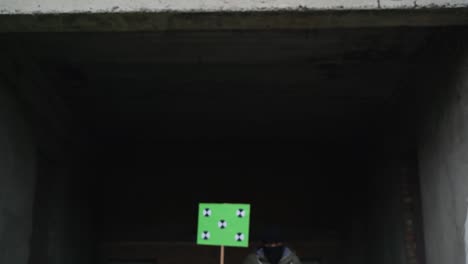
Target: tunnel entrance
{"x":314,"y":128}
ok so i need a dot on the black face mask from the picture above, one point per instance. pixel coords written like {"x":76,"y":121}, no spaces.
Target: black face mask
{"x":273,"y":254}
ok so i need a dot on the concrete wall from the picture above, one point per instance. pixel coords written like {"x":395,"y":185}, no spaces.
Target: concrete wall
{"x":63,"y":229}
{"x":443,"y":152}
{"x":51,"y":222}
{"x":17,"y":179}
{"x":63,"y":214}
{"x":392,"y":223}
{"x":73,"y":6}
{"x":392,"y":227}
{"x":386,"y":234}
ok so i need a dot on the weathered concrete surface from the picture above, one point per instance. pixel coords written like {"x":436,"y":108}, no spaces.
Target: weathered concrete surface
{"x":17,"y":179}
{"x":73,"y":6}
{"x":443,"y":154}
{"x":422,"y":3}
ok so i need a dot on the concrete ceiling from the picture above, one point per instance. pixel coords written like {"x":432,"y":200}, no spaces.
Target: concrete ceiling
{"x":228,"y":85}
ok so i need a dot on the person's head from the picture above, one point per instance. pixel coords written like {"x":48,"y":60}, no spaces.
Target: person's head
{"x":272,"y":243}
{"x":272,"y":235}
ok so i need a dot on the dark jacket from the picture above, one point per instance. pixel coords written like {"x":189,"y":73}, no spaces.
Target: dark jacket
{"x":258,"y":257}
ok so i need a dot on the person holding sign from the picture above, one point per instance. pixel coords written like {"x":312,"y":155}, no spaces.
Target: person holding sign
{"x":272,"y":250}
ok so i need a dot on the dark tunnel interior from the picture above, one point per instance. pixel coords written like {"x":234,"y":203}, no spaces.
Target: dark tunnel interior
{"x":302,"y":125}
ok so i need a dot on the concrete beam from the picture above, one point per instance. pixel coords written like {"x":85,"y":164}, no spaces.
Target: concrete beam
{"x":293,"y":20}
{"x":114,"y":6}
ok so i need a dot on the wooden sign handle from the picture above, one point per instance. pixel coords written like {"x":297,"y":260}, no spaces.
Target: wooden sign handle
{"x":221,"y":257}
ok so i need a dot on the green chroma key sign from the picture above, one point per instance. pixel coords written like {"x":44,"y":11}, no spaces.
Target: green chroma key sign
{"x":223,"y":224}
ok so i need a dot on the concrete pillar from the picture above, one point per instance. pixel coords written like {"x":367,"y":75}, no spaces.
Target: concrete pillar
{"x":443,"y":153}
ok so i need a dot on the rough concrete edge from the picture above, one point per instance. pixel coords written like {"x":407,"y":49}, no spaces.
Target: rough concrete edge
{"x":414,"y":6}
{"x":378,"y":6}
{"x":116,"y":10}
{"x":179,"y":21}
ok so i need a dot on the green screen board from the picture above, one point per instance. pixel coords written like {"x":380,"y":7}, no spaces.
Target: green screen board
{"x":223,"y":224}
